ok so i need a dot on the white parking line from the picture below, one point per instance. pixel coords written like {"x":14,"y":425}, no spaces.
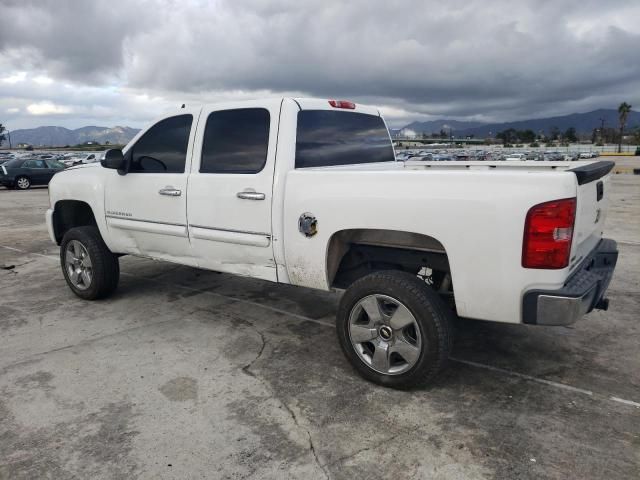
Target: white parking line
{"x":522,"y":376}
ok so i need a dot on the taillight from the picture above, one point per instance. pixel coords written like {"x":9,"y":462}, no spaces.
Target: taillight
{"x":342,"y":104}
{"x":548,"y":231}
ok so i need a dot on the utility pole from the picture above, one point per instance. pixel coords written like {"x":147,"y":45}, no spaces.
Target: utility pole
{"x":602,"y":130}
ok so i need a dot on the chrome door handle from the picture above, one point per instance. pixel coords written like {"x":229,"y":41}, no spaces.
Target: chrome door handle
{"x":170,"y":191}
{"x":246,"y":195}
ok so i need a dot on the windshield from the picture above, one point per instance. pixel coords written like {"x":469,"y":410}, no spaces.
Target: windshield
{"x":328,"y":138}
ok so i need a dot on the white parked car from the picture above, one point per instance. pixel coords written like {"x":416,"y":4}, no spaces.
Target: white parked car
{"x":308,"y":192}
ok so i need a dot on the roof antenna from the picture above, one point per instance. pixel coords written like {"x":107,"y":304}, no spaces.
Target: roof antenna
{"x":182,"y":106}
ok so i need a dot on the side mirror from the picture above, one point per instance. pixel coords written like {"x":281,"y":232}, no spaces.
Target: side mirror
{"x":114,"y":159}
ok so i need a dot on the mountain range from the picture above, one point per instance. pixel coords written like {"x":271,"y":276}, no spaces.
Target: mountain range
{"x":583,"y":123}
{"x":60,"y":136}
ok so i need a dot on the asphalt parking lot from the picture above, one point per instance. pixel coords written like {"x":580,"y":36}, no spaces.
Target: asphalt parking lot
{"x":192,"y":374}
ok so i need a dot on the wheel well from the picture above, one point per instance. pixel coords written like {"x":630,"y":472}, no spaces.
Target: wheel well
{"x":353,"y":254}
{"x":69,"y":214}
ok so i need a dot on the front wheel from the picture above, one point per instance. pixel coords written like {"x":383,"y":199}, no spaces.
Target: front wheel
{"x":23,"y":183}
{"x":394,"y":329}
{"x":91,"y":270}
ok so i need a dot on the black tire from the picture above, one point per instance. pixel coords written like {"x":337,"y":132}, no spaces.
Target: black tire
{"x":17,"y":183}
{"x":105,"y":265}
{"x":433,"y":317}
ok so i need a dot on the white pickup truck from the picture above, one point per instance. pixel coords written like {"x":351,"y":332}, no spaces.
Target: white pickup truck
{"x":308,"y":192}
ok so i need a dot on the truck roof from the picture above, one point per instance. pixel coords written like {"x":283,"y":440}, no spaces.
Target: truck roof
{"x":304,"y":103}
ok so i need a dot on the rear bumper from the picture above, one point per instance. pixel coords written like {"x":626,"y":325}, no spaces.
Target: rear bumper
{"x":582,"y":292}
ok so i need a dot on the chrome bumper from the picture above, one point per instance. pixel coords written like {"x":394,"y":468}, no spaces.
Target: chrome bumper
{"x":582,"y":292}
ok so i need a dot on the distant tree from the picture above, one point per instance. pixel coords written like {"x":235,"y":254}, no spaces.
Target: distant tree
{"x":623,"y":113}
{"x":507,"y":136}
{"x":570,"y":135}
{"x":527,"y":136}
{"x":2,"y":135}
{"x":554,"y":133}
{"x":594,"y":135}
{"x":443,"y":134}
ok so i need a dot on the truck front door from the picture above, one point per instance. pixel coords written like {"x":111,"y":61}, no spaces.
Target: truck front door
{"x":146,"y":209}
{"x":230,"y":189}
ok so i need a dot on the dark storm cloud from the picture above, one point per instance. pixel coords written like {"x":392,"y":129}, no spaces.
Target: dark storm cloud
{"x":472,"y":58}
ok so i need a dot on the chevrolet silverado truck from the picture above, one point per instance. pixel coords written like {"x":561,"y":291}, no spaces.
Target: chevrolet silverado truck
{"x":308,"y":192}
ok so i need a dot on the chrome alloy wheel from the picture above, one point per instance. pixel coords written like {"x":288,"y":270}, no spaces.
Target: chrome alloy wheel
{"x":78,"y":265}
{"x":385,"y":334}
{"x":23,"y":183}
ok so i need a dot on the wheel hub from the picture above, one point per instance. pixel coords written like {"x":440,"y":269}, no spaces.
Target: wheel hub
{"x":385,"y":333}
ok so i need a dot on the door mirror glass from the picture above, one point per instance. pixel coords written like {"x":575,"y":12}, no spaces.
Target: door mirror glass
{"x":114,"y":158}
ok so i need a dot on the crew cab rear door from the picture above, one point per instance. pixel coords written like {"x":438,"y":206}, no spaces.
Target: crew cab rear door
{"x":146,"y":209}
{"x":230,"y":188}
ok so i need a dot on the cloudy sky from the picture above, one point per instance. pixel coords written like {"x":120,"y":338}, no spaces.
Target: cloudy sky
{"x":124,"y":62}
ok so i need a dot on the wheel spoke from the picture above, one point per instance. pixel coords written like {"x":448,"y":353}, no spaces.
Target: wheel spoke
{"x":380,"y":360}
{"x":408,"y":352}
{"x":77,"y":250}
{"x":86,"y":262}
{"x":401,"y":318}
{"x":68,"y":258}
{"x":74,"y":276}
{"x":86,"y":278}
{"x":372,"y":307}
{"x":362,"y":333}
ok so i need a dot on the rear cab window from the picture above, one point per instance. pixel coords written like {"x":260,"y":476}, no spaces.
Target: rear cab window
{"x":329,"y":138}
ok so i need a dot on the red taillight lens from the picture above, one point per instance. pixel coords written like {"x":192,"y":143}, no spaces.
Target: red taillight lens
{"x":342,"y":104}
{"x":548,"y":231}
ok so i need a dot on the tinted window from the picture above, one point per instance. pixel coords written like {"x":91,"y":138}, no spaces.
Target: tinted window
{"x":325,"y":137}
{"x":235,"y":141}
{"x":34,"y":164}
{"x":163,"y":148}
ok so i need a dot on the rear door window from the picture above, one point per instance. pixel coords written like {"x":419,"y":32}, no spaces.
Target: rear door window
{"x":235,"y":141}
{"x":163,"y":148}
{"x":327,"y":138}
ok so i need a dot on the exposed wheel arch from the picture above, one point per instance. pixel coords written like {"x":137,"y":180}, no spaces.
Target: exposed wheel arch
{"x":68,"y":214}
{"x":354,"y":253}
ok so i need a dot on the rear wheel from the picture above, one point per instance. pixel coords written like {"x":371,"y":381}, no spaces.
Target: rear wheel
{"x":23,"y":182}
{"x":91,"y":270}
{"x":394,"y":329}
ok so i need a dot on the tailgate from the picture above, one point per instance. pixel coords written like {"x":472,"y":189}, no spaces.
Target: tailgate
{"x":592,"y":204}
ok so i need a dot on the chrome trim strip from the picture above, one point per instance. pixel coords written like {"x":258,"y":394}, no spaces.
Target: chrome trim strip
{"x":262,"y":234}
{"x":148,"y":227}
{"x":146,"y":221}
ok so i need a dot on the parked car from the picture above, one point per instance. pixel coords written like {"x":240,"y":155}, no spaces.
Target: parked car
{"x":22,"y":173}
{"x":90,"y":158}
{"x":307,"y":192}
